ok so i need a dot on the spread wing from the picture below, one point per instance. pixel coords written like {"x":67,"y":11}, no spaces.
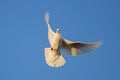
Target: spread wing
{"x":78,"y":48}
{"x":50,"y":31}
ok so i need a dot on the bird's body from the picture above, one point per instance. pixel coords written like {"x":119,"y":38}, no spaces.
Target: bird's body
{"x":57,"y":42}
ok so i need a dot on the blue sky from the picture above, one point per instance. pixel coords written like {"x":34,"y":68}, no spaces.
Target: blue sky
{"x":23,"y":37}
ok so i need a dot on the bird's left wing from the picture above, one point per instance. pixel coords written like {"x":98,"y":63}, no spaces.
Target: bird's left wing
{"x":50,"y":31}
{"x":78,"y":48}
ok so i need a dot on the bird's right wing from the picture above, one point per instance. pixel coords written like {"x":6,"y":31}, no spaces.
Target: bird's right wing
{"x":78,"y":48}
{"x":50,"y":31}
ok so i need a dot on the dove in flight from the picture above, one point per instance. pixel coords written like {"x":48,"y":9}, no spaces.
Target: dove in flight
{"x":53,"y":55}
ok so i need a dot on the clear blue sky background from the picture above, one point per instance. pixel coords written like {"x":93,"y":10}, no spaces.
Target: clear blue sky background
{"x":23,"y":37}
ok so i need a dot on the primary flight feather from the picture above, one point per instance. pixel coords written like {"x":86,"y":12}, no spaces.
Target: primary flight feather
{"x":57,"y":43}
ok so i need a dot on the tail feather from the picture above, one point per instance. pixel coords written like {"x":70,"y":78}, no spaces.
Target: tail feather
{"x":54,"y":59}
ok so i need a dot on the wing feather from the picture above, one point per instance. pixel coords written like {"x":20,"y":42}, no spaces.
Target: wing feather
{"x":78,"y":48}
{"x":50,"y":31}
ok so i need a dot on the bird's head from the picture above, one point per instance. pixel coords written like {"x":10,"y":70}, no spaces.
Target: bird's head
{"x":58,"y":31}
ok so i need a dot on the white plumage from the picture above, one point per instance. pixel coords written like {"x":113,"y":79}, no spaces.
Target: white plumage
{"x":53,"y":56}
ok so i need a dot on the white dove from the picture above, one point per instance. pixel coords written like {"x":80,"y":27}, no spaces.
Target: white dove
{"x":57,"y":42}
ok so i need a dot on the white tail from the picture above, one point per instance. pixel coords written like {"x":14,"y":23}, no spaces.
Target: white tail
{"x":54,"y":59}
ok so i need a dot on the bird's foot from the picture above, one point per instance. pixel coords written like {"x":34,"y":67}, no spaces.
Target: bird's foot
{"x":53,"y":49}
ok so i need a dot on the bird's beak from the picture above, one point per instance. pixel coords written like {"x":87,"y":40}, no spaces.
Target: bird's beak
{"x":58,"y":30}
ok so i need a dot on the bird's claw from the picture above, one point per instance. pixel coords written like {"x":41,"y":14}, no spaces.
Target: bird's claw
{"x":53,"y":49}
